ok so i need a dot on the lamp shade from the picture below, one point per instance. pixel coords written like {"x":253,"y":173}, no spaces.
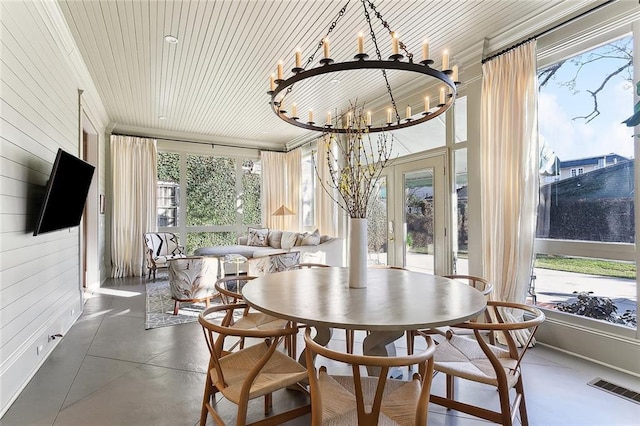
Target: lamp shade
{"x":282,"y":211}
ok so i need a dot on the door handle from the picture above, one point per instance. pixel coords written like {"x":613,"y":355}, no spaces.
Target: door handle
{"x":391,"y":233}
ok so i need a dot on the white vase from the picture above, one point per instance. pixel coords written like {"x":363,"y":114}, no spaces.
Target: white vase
{"x":358,"y":249}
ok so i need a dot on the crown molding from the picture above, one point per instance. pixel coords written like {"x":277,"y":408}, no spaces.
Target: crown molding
{"x":602,"y":26}
{"x":181,"y":137}
{"x":531,"y":25}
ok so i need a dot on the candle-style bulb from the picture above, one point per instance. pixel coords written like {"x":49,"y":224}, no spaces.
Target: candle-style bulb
{"x":445,"y":60}
{"x":389,"y":116}
{"x":280,"y":70}
{"x":368,"y":118}
{"x":328,"y":118}
{"x":360,"y":43}
{"x":310,"y":116}
{"x":454,"y":76}
{"x":394,"y":43}
{"x":427,"y":104}
{"x":425,"y":50}
{"x":408,"y":112}
{"x":325,"y":45}
{"x":298,"y":58}
{"x":442,"y":96}
{"x":294,"y":110}
{"x":272,"y":83}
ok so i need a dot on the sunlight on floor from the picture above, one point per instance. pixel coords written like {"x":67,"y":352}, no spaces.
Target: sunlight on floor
{"x":110,"y":292}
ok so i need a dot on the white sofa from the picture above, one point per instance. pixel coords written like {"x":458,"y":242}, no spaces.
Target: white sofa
{"x":329,"y":250}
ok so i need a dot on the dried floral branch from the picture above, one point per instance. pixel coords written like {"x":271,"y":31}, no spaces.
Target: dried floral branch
{"x":355,"y":161}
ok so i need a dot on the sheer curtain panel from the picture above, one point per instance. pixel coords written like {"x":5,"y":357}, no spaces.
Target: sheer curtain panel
{"x":326,"y":213}
{"x":281,"y":177}
{"x":293,"y":160}
{"x":134,"y":176}
{"x":509,"y":167}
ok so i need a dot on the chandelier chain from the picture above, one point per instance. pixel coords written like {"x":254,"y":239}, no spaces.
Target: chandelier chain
{"x":386,"y":25}
{"x":319,"y":46}
{"x":331,"y":28}
{"x":379,"y":55}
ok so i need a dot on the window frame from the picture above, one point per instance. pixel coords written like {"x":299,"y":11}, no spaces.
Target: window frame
{"x":185,"y":148}
{"x":593,"y":249}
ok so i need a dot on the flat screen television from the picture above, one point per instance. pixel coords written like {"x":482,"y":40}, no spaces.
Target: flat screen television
{"x":65,"y":193}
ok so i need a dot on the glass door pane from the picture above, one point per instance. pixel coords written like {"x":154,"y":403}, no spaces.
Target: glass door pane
{"x":419,"y":220}
{"x":417,"y":223}
{"x":377,"y":220}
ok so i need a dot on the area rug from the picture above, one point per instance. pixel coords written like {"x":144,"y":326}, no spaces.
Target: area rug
{"x":160,"y":307}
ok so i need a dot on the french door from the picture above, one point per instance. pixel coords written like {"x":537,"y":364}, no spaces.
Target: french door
{"x":407,"y":217}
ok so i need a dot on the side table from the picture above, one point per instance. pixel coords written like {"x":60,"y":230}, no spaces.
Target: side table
{"x":232,"y":259}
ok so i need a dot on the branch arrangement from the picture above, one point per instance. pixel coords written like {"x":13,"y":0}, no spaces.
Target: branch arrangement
{"x":355,"y":161}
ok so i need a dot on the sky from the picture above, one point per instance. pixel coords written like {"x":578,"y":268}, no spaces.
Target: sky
{"x":572,"y":139}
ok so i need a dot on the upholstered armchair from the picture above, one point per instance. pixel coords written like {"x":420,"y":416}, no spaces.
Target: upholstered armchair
{"x":161,"y":246}
{"x":192,"y":279}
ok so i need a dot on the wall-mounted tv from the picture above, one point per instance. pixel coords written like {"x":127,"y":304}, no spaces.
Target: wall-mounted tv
{"x":65,"y":194}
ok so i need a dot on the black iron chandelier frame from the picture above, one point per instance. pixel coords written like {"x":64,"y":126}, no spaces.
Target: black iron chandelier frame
{"x":361,"y":62}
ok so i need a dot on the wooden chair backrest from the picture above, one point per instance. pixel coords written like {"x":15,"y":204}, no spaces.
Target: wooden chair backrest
{"x":516,"y":322}
{"x":423,"y":359}
{"x":478,"y":283}
{"x":228,"y":295}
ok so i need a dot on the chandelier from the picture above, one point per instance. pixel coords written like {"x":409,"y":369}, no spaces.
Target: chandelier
{"x":447,"y":78}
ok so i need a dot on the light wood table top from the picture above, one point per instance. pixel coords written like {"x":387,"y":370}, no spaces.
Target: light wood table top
{"x":394,"y":300}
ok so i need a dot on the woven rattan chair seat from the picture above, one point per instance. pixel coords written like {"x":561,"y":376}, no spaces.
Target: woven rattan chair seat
{"x":279,"y":372}
{"x":463,"y":357}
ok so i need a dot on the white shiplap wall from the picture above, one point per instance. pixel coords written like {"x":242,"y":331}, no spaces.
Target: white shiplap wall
{"x":40,"y":287}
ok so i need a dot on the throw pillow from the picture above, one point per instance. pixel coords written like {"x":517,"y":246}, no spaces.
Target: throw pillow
{"x":275,"y":239}
{"x":258,"y":237}
{"x":288,"y":240}
{"x":309,"y":239}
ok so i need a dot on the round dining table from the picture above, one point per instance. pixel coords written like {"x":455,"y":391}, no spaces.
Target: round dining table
{"x":393,"y":302}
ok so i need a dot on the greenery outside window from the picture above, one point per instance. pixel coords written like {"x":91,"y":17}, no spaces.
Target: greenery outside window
{"x":208,"y":200}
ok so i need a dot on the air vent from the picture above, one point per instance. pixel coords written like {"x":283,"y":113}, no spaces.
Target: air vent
{"x":620,"y":391}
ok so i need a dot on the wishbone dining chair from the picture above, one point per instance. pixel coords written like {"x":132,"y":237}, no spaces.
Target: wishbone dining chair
{"x":255,"y":371}
{"x":475,"y":359}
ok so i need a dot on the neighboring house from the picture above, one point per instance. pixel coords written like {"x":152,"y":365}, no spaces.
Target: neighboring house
{"x":592,"y":206}
{"x":572,"y":168}
{"x":168,"y":202}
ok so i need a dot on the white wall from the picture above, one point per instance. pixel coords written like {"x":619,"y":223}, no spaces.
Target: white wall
{"x":40,"y":291}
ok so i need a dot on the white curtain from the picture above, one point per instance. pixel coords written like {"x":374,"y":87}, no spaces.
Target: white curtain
{"x":293,"y":161}
{"x":325,"y":205}
{"x":134,"y":176}
{"x":509,"y":167}
{"x":281,"y":176}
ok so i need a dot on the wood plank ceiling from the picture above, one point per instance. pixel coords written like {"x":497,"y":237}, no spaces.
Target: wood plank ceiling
{"x":213,"y":82}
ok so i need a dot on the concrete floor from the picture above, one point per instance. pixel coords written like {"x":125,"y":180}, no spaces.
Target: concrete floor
{"x":109,"y":370}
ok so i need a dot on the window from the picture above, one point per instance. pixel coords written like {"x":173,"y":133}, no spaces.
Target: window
{"x":222,"y":196}
{"x":251,"y":196}
{"x":586,"y":230}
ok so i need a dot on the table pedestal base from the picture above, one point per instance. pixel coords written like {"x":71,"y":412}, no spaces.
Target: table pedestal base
{"x":380,"y":343}
{"x":322,"y":337}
